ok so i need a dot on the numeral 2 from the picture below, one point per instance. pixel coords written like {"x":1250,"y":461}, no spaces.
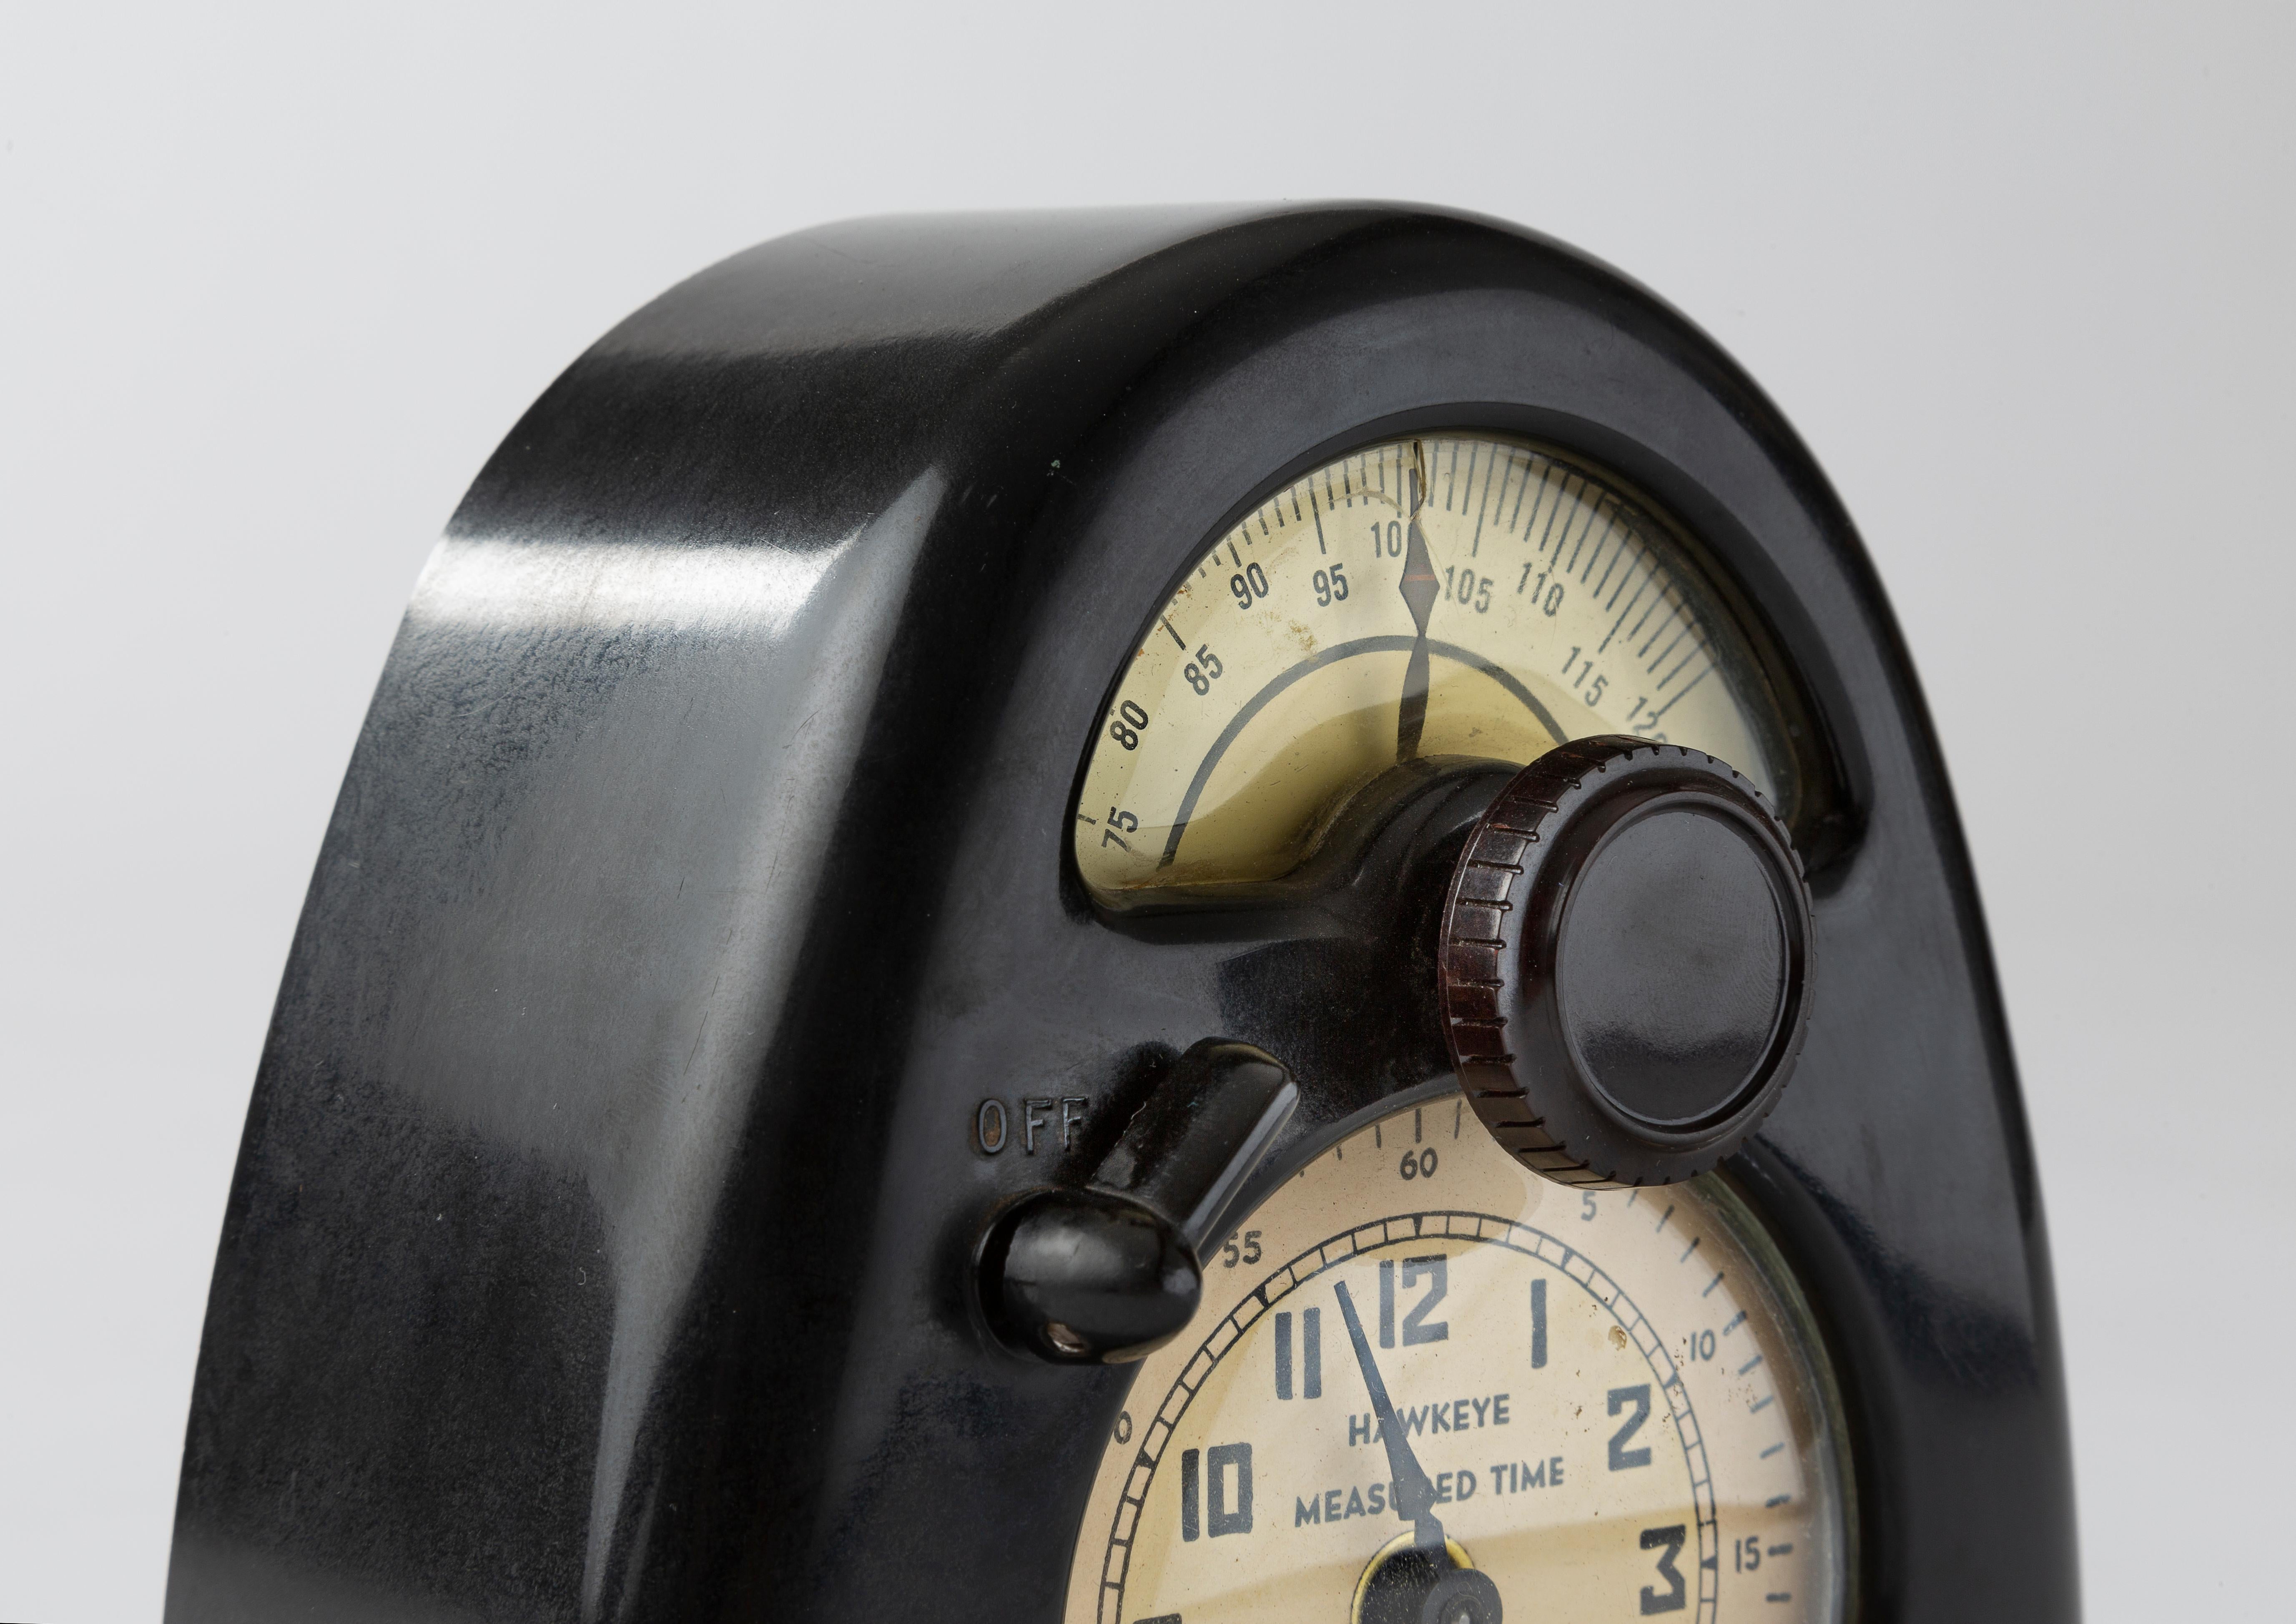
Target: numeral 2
{"x":1621,"y":1457}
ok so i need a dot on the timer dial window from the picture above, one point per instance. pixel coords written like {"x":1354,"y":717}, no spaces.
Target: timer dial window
{"x":1615,"y":1398}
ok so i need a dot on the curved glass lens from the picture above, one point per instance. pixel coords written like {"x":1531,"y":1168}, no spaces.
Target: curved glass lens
{"x":1608,"y":1404}
{"x":1436,"y":595}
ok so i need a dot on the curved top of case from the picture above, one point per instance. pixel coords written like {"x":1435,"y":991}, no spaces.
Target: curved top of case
{"x":595,"y":1244}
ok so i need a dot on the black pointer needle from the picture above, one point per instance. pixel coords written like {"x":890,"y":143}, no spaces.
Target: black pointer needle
{"x":1420,"y":590}
{"x":1414,"y":1492}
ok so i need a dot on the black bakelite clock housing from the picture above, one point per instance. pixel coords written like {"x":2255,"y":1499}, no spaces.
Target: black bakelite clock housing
{"x":695,"y":966}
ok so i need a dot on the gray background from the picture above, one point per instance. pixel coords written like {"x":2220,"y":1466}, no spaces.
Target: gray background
{"x":272,"y":285}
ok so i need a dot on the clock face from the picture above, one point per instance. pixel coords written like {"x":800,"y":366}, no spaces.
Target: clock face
{"x":1436,"y":597}
{"x":1418,"y":1361}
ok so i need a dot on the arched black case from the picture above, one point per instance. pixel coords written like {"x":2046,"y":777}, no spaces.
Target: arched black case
{"x":598,"y":1246}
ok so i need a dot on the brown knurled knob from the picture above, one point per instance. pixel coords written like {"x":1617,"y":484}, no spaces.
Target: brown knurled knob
{"x":1624,"y":962}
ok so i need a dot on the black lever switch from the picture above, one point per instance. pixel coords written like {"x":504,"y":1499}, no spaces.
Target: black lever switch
{"x":1113,"y":1271}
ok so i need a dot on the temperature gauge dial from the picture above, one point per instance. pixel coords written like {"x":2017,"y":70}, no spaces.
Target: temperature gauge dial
{"x":1460,"y":596}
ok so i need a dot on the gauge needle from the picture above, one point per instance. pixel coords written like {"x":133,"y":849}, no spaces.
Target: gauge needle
{"x":1419,"y":591}
{"x":1414,"y":1491}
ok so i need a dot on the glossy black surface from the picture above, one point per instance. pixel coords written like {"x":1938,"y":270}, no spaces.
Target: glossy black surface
{"x":1113,"y":1271}
{"x":600,"y":1240}
{"x":1085,"y":1277}
{"x":1188,"y":1149}
{"x":1672,"y":963}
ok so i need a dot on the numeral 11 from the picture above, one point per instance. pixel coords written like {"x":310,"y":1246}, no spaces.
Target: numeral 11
{"x":1311,"y":1354}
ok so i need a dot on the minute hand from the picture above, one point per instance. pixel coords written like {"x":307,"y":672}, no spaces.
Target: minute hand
{"x":1414,"y":1491}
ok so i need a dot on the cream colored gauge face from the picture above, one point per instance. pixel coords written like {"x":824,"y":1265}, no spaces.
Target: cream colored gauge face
{"x":1440,"y":595}
{"x":1608,"y":1405}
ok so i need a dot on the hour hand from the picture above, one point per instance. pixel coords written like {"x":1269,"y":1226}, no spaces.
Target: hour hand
{"x":1414,"y":1491}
